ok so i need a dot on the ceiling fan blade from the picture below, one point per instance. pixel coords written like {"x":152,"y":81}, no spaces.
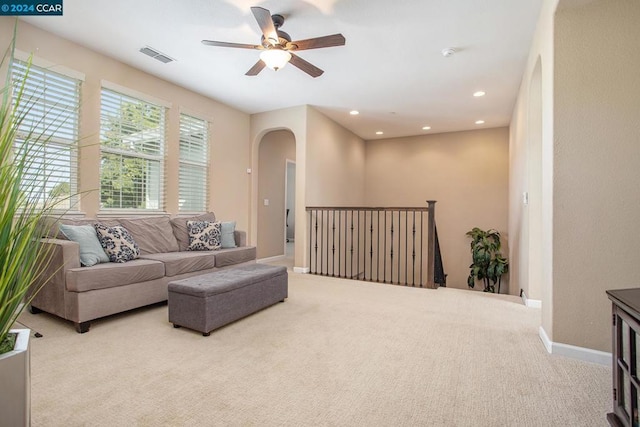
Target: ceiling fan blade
{"x":257,"y":67}
{"x":305,"y":66}
{"x":227,"y":44}
{"x":263,"y":16}
{"x":318,"y":42}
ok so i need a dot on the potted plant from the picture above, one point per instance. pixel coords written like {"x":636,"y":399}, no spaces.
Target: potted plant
{"x":488,"y":263}
{"x":22,"y":257}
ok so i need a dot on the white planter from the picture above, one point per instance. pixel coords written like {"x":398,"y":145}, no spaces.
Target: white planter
{"x":15,"y":377}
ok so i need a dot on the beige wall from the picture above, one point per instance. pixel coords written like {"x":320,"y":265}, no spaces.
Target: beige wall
{"x":596,"y":165}
{"x":275,"y":149}
{"x":329,"y":166}
{"x":465,"y":172}
{"x":229,"y":134}
{"x":335,"y":163}
{"x":294,"y":120}
{"x":532,"y":126}
{"x":586,"y":58}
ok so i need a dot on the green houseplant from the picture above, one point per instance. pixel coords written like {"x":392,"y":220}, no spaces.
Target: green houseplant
{"x":488,"y":263}
{"x":22,"y":203}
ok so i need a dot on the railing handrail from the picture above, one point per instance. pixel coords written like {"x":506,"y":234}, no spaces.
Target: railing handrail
{"x":366,"y":208}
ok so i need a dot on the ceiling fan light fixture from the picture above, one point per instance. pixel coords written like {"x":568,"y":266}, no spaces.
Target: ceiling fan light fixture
{"x":275,"y":58}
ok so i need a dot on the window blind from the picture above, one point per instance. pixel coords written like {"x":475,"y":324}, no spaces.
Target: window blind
{"x":46,"y":106}
{"x":194,"y":160}
{"x":132,"y":139}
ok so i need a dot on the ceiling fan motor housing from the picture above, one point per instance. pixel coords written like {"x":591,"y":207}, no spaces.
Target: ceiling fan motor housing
{"x":283,"y":39}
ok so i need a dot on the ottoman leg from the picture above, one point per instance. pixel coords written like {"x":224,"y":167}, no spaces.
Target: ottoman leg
{"x":206,"y":334}
{"x":176,"y":326}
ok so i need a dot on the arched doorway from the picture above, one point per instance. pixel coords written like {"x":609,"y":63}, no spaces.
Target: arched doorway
{"x":277,"y":150}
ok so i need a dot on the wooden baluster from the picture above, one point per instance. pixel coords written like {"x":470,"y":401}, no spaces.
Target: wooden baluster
{"x":431,"y":245}
{"x":333,"y":244}
{"x":413,"y":251}
{"x":371,"y":248}
{"x":316,"y":245}
{"x":352,"y":244}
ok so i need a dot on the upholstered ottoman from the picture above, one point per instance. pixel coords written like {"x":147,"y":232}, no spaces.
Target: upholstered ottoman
{"x":212,"y":300}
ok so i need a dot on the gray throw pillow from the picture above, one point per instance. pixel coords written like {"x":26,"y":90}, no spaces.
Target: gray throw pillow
{"x":91,"y":252}
{"x":227,"y":234}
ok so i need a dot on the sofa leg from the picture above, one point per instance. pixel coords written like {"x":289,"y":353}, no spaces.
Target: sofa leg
{"x":34,"y":310}
{"x":82,"y":327}
{"x":206,"y":334}
{"x":176,"y":326}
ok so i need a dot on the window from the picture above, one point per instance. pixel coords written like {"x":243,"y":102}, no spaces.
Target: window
{"x":194,"y":149}
{"x":46,"y":106}
{"x":132,"y":138}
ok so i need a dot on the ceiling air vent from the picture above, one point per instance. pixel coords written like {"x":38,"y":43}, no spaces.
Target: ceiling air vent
{"x":156,"y":55}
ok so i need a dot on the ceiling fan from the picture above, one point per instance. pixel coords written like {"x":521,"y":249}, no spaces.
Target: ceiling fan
{"x":277,"y":47}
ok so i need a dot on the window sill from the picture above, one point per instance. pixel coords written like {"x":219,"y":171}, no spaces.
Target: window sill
{"x":129,"y":213}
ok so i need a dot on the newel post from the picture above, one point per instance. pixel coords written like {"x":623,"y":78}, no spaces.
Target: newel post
{"x":431,"y":244}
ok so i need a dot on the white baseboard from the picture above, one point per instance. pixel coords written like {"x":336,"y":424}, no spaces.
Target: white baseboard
{"x":574,"y":352}
{"x":302,"y":270}
{"x":270,"y":259}
{"x":532,"y":303}
{"x":545,"y":340}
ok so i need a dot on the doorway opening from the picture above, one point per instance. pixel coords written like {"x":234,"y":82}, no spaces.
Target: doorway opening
{"x":290,"y":208}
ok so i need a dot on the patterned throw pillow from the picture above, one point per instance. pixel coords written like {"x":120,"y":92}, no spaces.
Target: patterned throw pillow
{"x":117,"y":242}
{"x":203,"y":235}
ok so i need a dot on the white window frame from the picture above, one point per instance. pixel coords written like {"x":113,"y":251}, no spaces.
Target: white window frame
{"x":111,"y":93}
{"x":190,"y":123}
{"x":50,"y":103}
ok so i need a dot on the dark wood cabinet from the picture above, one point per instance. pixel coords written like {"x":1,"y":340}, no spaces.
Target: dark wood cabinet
{"x":626,"y":356}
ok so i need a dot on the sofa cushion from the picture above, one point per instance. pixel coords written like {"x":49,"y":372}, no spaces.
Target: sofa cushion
{"x":180,"y":231}
{"x":204,"y":235}
{"x":176,"y":263}
{"x":117,"y":242}
{"x":91,"y":252}
{"x":225,"y":257}
{"x":113,"y":274}
{"x":153,"y":235}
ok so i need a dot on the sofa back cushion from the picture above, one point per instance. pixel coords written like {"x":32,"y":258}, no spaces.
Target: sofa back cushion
{"x":50,"y":225}
{"x":153,"y":235}
{"x":180,"y":231}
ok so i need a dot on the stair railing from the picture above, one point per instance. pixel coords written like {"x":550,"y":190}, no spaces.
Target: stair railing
{"x":396,"y":245}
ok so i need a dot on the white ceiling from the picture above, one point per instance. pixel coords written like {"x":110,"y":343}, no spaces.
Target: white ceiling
{"x":391,"y":68}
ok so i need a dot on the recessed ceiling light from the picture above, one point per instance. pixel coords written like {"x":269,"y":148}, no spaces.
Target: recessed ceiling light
{"x":379,"y":132}
{"x":479,"y":93}
{"x":479,"y":122}
{"x":426,"y":128}
{"x":354,"y":112}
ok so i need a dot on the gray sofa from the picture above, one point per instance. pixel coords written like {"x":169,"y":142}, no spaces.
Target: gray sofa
{"x":81,"y":294}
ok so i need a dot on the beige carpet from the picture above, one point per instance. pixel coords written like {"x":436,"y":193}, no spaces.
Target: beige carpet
{"x":336,"y":353}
